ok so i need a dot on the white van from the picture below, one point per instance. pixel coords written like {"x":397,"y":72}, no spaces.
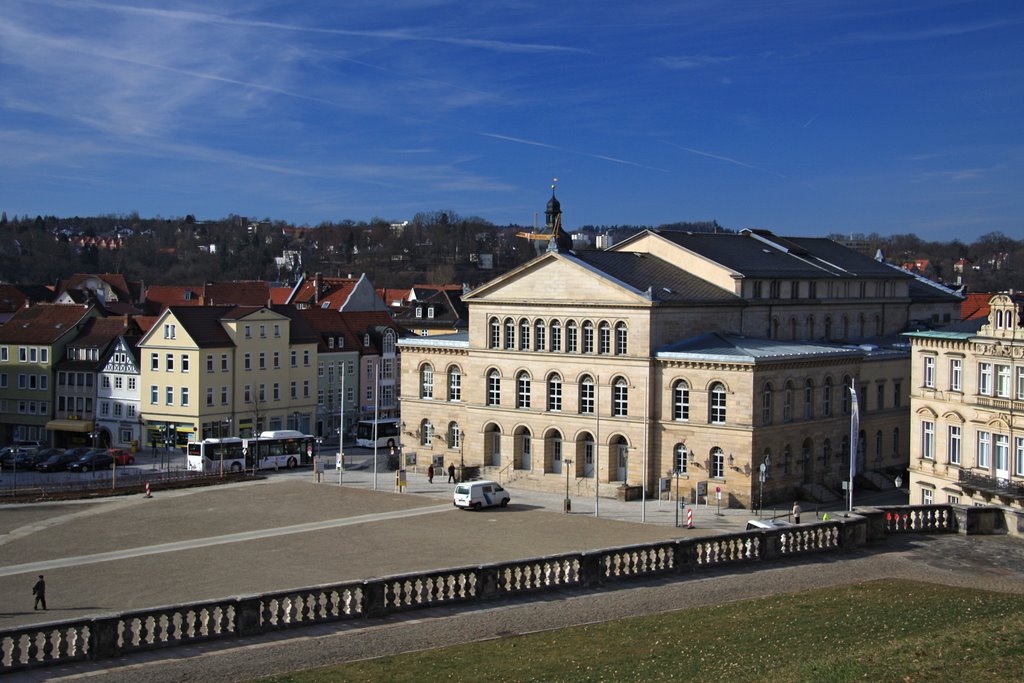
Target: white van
{"x":473,"y":495}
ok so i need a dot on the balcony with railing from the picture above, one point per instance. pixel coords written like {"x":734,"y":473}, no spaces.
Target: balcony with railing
{"x":992,"y":486}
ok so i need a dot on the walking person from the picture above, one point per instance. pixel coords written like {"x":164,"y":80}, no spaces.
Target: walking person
{"x":430,"y":473}
{"x":796,"y":512}
{"x":451,"y":473}
{"x":39,"y":591}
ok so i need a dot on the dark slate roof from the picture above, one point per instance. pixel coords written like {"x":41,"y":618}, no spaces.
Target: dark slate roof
{"x":202,"y":323}
{"x":735,"y":348}
{"x":760,"y":254}
{"x":666,"y":281}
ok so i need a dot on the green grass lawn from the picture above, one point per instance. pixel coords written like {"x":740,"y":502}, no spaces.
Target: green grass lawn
{"x":880,"y":631}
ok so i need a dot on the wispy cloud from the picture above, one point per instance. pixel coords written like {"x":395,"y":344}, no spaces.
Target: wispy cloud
{"x":602,"y":157}
{"x":390,"y":35}
{"x":690,"y":62}
{"x":720,"y":157}
{"x":932,"y":33}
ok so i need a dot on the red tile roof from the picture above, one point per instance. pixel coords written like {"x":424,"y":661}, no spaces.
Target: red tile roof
{"x":975,"y":306}
{"x":42,"y":323}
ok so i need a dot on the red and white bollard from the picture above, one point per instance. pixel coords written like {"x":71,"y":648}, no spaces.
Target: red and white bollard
{"x":689,"y":518}
{"x":148,"y":494}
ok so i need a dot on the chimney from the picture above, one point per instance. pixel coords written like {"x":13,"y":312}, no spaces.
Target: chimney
{"x":316,"y":288}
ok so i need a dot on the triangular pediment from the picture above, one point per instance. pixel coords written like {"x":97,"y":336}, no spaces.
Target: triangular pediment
{"x":557,"y":279}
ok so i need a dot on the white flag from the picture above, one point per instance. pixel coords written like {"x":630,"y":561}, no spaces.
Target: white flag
{"x":854,"y":437}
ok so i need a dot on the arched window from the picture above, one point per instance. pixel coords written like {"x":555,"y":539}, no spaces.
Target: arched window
{"x":454,"y":383}
{"x":717,"y":463}
{"x":426,"y":433}
{"x":621,"y":340}
{"x":681,"y":400}
{"x":787,"y":403}
{"x":571,"y":337}
{"x":620,"y":397}
{"x":426,"y":381}
{"x":588,"y":337}
{"x":556,"y":336}
{"x":524,"y":335}
{"x":539,"y":329}
{"x":826,"y":398}
{"x":586,"y":395}
{"x":604,"y":339}
{"x":493,"y":388}
{"x":454,"y":435}
{"x":717,"y":403}
{"x":523,"y":390}
{"x":555,"y":392}
{"x":680,"y":458}
{"x":808,"y":400}
{"x":878,"y":448}
{"x":766,"y":404}
{"x":495,"y":333}
{"x":510,"y":334}
{"x":389,"y":343}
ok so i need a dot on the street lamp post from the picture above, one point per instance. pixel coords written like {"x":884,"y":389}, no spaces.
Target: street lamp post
{"x":762,"y":476}
{"x":567,"y":462}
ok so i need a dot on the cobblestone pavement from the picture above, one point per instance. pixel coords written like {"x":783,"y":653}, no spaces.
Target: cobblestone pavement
{"x":369,"y":548}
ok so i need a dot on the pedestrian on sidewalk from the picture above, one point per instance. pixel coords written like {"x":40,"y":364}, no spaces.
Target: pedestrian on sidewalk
{"x":451,"y":473}
{"x":796,"y":512}
{"x":430,"y":473}
{"x":39,"y":591}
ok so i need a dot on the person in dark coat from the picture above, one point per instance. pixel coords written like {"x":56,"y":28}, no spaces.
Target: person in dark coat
{"x":451,"y":473}
{"x":39,"y":591}
{"x":430,"y":474}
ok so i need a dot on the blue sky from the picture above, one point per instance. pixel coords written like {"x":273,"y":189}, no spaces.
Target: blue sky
{"x":803,"y":117}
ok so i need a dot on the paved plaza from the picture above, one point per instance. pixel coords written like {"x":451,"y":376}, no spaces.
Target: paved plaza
{"x":288,"y":531}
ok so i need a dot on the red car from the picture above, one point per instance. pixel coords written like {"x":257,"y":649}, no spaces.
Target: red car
{"x":121,"y":456}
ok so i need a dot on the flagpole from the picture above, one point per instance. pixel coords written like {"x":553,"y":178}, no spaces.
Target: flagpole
{"x":854,"y":439}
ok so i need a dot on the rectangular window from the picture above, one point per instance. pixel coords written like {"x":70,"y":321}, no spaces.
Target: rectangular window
{"x":1002,"y":455}
{"x":224,"y":395}
{"x":928,"y":440}
{"x":209,"y":362}
{"x":184,"y":363}
{"x":248,"y":331}
{"x":984,"y":458}
{"x":154,"y":361}
{"x":305,"y":358}
{"x":294,"y":390}
{"x":929,"y":372}
{"x":154,"y":394}
{"x":131,"y":384}
{"x":1018,"y":456}
{"x":1020,"y":383}
{"x":277,"y":360}
{"x":985,"y":379}
{"x":956,"y":374}
{"x":570,"y":335}
{"x":305,"y":389}
{"x":263,"y":331}
{"x":880,"y":396}
{"x":209,"y":396}
{"x":277,"y":391}
{"x":223,"y":362}
{"x":184,"y":396}
{"x":247,"y":361}
{"x":169,"y":395}
{"x":1003,"y":381}
{"x":897,"y":394}
{"x":953,"y":445}
{"x":556,"y":338}
{"x":927,"y":496}
{"x":295,"y":359}
{"x":247,"y":394}
{"x":263,"y":360}
{"x":170,"y":362}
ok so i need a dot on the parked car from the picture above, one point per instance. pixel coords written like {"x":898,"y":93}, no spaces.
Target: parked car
{"x":99,"y":459}
{"x":121,"y":456}
{"x":60,"y":461}
{"x":27,"y":460}
{"x":8,"y":455}
{"x":759,"y":524}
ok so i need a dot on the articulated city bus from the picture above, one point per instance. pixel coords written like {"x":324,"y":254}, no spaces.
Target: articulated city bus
{"x":275,"y":450}
{"x":387,"y":433}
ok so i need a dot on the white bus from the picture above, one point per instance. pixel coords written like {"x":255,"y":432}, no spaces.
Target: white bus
{"x":386,"y":434}
{"x":281,"y":448}
{"x":208,"y":454}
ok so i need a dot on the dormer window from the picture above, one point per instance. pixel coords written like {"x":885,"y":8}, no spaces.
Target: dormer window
{"x":419,"y":311}
{"x":330,"y":342}
{"x":326,"y":304}
{"x":430,"y":312}
{"x":341,"y":342}
{"x":366,"y":340}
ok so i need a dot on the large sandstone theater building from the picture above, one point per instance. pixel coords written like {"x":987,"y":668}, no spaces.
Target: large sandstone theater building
{"x":702,"y":354}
